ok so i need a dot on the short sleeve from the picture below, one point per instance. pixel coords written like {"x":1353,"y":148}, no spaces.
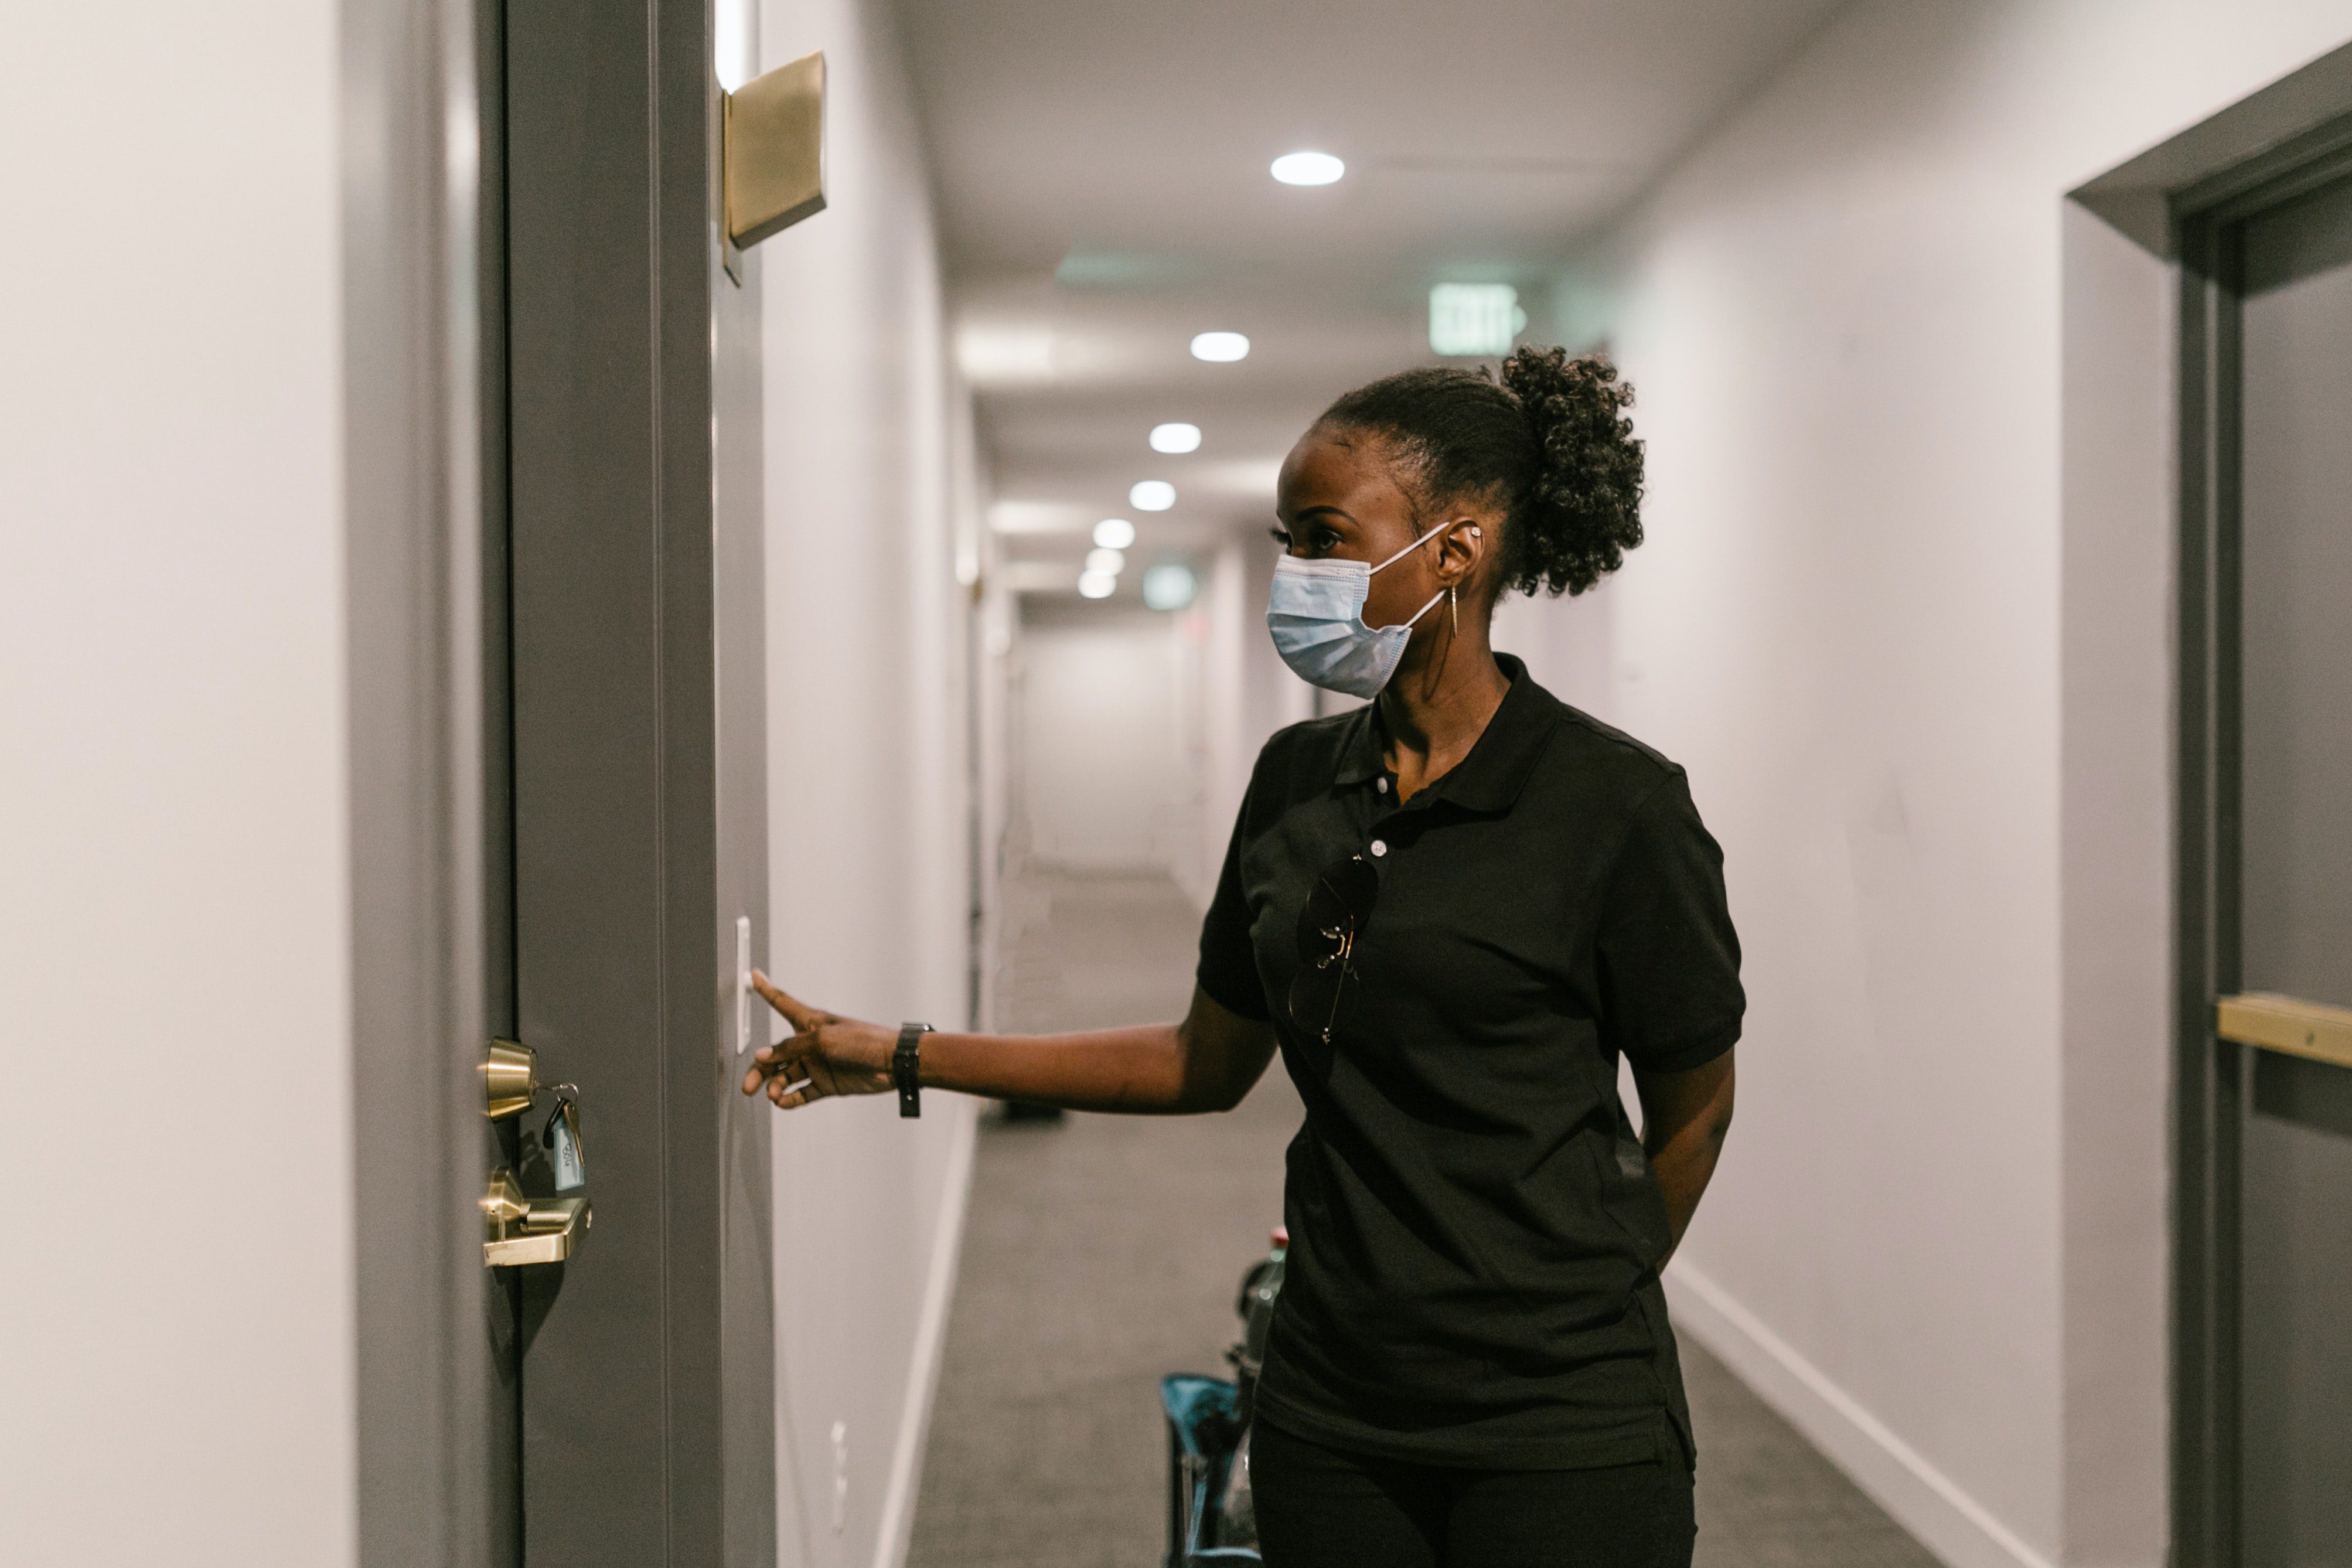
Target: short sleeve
{"x":1669,"y":959}
{"x":1228,"y":970}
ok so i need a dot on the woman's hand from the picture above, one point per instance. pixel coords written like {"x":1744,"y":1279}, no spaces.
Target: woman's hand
{"x":827,"y":1054}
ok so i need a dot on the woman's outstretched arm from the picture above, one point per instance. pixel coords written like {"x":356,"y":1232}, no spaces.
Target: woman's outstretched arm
{"x":1208,"y":1062}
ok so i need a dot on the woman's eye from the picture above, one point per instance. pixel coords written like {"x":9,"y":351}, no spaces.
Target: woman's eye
{"x":1310,"y":541}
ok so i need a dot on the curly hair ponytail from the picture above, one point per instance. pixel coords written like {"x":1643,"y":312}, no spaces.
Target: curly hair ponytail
{"x":1551,"y":446}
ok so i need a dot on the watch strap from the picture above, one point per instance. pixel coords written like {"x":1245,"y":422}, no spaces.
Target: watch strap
{"x":907,"y":1067}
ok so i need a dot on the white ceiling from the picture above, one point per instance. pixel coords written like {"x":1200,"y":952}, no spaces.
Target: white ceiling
{"x":1101,"y":169}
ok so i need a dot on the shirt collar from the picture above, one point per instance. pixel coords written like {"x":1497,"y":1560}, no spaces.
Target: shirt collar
{"x":1491,"y":776}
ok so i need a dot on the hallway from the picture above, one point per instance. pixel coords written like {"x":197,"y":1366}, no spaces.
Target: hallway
{"x":522,"y":517}
{"x":1102,"y":1251}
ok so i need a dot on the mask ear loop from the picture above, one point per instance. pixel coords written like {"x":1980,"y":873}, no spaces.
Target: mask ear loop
{"x":1451,"y":608}
{"x":1409,"y":549}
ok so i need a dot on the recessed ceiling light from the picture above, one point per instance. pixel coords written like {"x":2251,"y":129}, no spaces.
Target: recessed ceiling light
{"x":1114,"y":533}
{"x":1105,"y":561}
{"x":1098,"y":584}
{"x":1168,"y":586}
{"x":1001,"y":351}
{"x":1176,"y":437}
{"x":1308,"y":169}
{"x":1151,"y":495}
{"x":1220,"y":348}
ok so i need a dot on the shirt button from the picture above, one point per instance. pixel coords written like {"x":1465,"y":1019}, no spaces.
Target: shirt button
{"x":1382,"y":786}
{"x":1380,"y":846}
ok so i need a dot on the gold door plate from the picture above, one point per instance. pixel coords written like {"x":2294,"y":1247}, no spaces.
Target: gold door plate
{"x":773,"y":151}
{"x":2299,"y":1029}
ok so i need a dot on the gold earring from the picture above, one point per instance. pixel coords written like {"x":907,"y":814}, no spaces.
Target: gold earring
{"x":1454,"y":609}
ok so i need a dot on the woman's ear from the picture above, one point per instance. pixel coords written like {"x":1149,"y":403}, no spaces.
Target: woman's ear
{"x":1459,"y":551}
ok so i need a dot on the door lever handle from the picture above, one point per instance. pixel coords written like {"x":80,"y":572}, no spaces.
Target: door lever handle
{"x":517,"y":1230}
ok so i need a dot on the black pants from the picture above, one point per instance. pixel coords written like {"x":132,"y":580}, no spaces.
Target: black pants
{"x":1319,"y":1507}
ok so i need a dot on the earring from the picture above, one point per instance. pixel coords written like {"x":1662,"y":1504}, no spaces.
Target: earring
{"x":1454,"y":609}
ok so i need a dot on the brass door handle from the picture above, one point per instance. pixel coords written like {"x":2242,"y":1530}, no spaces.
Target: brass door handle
{"x":2286,"y":1023}
{"x":518,"y":1230}
{"x":509,"y":1079}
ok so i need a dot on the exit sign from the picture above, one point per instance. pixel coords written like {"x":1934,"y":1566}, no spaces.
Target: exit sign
{"x":1475,"y":318}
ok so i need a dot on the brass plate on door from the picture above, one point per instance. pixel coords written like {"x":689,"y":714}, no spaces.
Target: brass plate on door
{"x":773,"y":150}
{"x":2287,"y":1024}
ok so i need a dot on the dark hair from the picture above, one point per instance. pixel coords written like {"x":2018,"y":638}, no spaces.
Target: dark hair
{"x":1549,"y":445}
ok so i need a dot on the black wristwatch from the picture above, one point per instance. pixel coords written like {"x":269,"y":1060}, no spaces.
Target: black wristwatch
{"x":907,"y":1067}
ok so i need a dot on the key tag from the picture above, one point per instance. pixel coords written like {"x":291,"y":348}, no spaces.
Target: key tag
{"x":561,"y":1139}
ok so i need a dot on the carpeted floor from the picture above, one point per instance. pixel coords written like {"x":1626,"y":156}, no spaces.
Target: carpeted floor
{"x":1102,"y":1252}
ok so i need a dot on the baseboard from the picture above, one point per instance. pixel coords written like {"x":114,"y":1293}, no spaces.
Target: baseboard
{"x":1921,"y":1499}
{"x":897,"y":1527}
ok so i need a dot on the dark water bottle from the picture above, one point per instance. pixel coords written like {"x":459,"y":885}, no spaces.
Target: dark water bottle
{"x":1236,"y":1515}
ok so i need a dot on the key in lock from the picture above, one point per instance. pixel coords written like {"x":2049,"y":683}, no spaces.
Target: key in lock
{"x":561,"y":1139}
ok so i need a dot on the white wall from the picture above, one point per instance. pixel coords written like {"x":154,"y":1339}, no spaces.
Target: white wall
{"x":175,"y":1181}
{"x":867,"y":771}
{"x":1109,"y":768}
{"x":1844,"y":314}
{"x":1137,"y":732}
{"x":1229,"y":625}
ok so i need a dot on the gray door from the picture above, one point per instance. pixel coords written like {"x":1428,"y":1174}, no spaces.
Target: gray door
{"x":631,"y":1418}
{"x":2293,"y":1033}
{"x":502,"y":1140}
{"x":2268,"y":1136}
{"x":558,"y":791}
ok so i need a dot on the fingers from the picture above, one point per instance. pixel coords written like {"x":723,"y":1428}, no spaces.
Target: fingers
{"x":791,"y":1071}
{"x":788,"y":1095}
{"x":783,"y":1062}
{"x":800,"y":1017}
{"x":780,"y":1080}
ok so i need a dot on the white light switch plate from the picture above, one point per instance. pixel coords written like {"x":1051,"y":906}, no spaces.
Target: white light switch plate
{"x":742,"y":983}
{"x":840,"y":1475}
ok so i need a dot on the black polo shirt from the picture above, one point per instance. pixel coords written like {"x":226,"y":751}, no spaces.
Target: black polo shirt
{"x":1474,"y":1233}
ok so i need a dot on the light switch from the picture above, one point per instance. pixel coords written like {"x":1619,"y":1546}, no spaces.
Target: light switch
{"x":742,"y":983}
{"x":840,"y":1475}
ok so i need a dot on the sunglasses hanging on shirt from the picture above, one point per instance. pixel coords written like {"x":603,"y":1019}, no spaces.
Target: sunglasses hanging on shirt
{"x":1337,"y":907}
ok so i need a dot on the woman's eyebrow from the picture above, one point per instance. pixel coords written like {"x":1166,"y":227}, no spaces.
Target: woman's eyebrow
{"x":1306,"y":511}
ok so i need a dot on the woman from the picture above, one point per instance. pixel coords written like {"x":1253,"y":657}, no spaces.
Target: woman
{"x":1453,"y":911}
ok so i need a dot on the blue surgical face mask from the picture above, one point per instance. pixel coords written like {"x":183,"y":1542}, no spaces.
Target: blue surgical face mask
{"x":1315,"y":613}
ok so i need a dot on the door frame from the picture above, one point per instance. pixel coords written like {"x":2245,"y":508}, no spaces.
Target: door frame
{"x":413,"y":541}
{"x":2212,"y":1074}
{"x":423,"y":421}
